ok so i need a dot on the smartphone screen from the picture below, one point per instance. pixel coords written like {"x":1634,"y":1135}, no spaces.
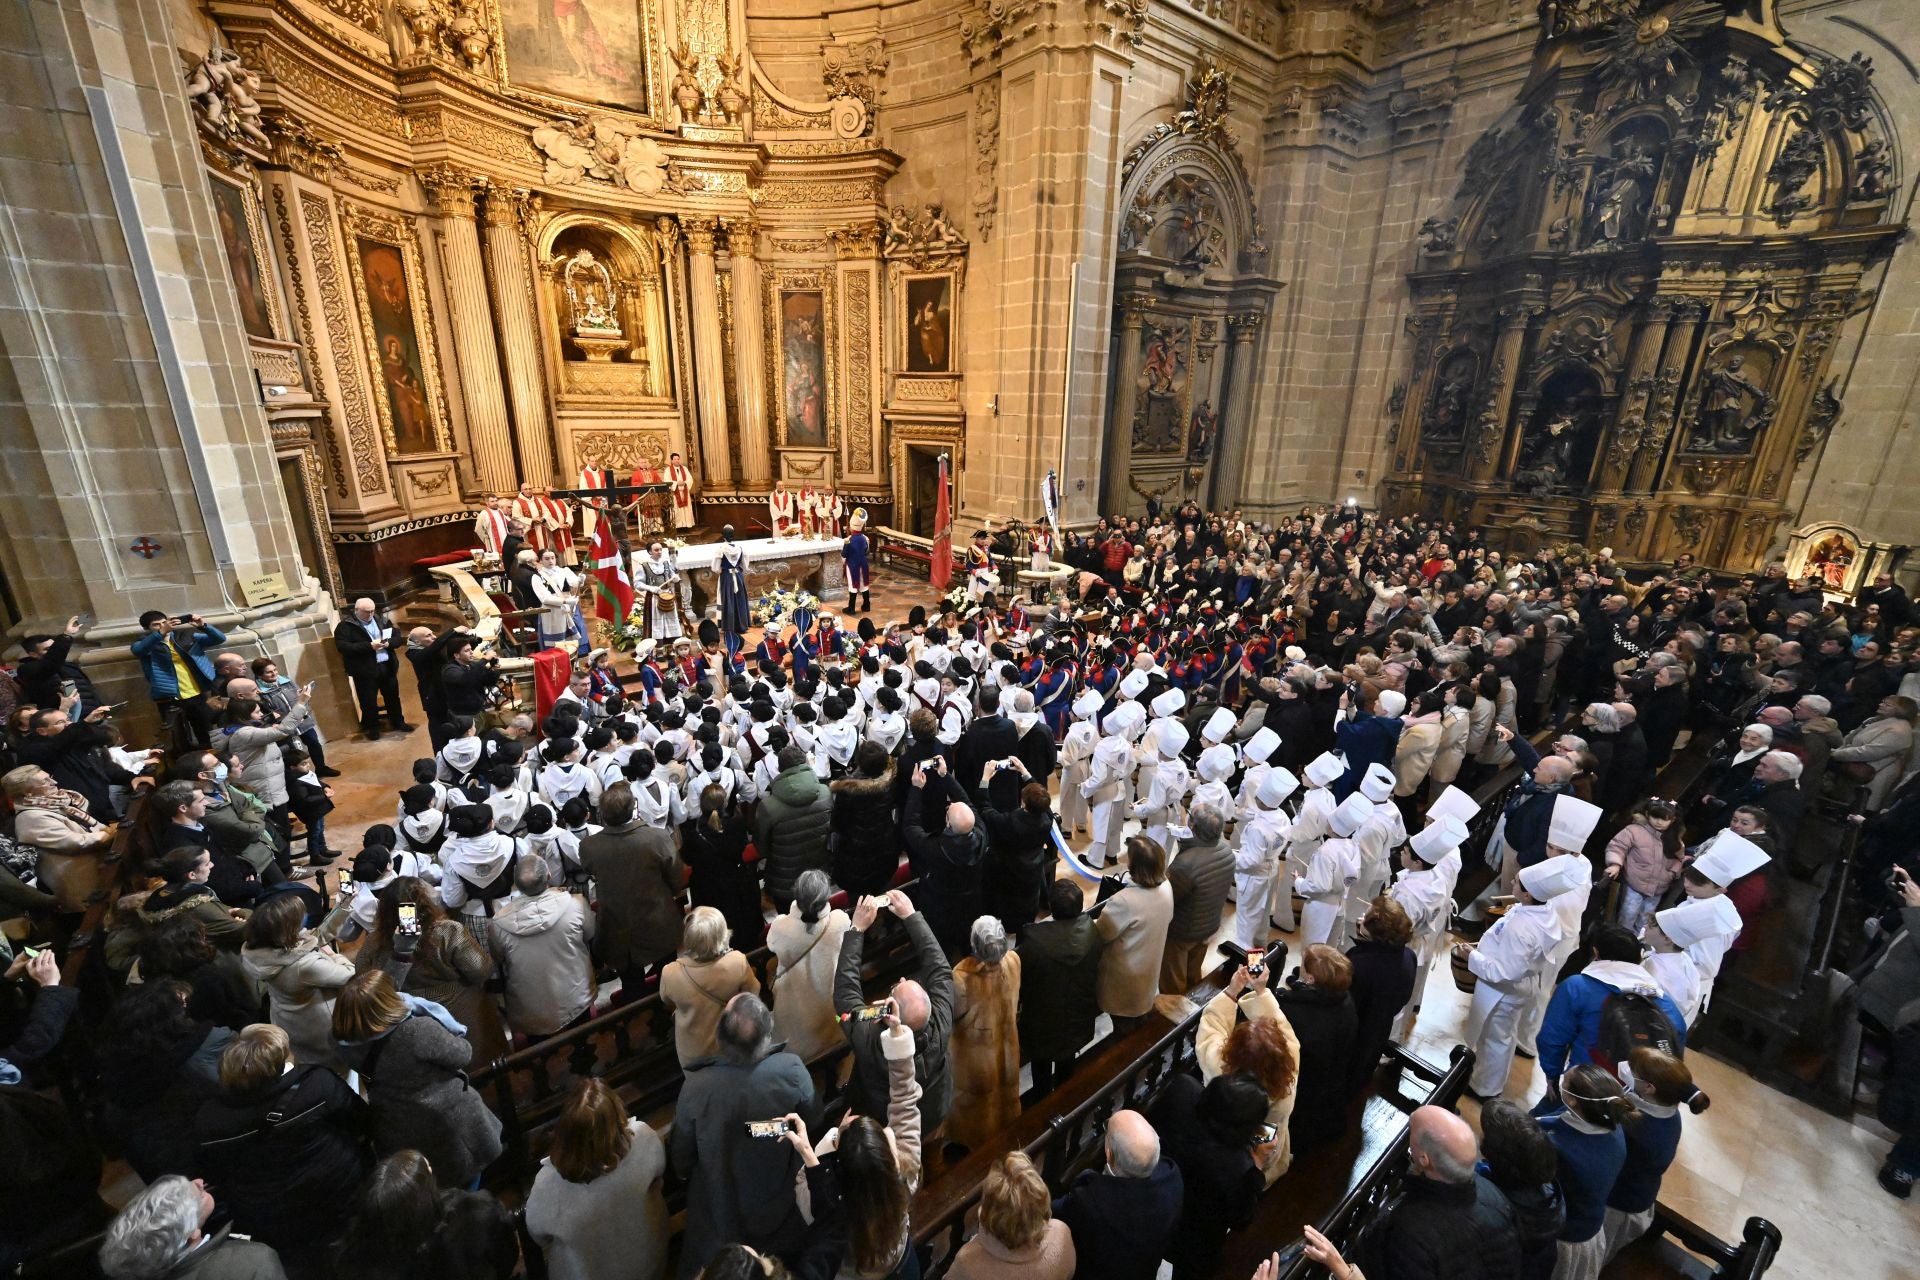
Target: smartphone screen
{"x":1266,"y":1134}
{"x":346,"y":882}
{"x":768,"y":1128}
{"x":866,"y":1013}
{"x":1256,"y":961}
{"x":409,"y":917}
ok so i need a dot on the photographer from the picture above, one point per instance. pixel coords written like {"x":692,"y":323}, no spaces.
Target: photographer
{"x":173,"y":658}
{"x":466,"y":679}
{"x":74,"y":753}
{"x":48,"y":676}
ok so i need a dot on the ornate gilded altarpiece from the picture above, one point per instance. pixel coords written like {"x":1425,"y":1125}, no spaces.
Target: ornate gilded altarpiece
{"x":1623,"y":321}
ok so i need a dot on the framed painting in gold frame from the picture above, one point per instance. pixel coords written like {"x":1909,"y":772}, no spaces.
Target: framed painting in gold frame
{"x":396,"y":323}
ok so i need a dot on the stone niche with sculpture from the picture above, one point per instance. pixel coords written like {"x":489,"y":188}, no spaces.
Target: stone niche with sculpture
{"x":1623,"y":319}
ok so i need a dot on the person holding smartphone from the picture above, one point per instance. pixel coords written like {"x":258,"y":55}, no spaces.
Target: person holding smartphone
{"x":1218,"y":1136}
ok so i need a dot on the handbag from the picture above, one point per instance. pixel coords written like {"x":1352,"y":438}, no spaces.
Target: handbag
{"x":1858,"y":770}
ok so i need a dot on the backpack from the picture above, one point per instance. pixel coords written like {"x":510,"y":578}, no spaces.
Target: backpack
{"x":1631,"y":1020}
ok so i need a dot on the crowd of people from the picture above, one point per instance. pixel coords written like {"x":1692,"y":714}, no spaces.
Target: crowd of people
{"x":1278,"y":726}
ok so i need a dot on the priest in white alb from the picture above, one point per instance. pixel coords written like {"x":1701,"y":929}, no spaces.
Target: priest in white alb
{"x":682,"y":481}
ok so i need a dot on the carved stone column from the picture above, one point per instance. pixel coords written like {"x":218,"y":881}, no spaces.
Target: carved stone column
{"x":1236,"y":430}
{"x":709,"y":368}
{"x":1487,"y":433}
{"x":1116,"y":462}
{"x":476,"y":360}
{"x":512,"y":278}
{"x":749,"y":355}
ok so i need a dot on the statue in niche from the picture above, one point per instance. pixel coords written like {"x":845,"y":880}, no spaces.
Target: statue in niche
{"x":1203,"y":431}
{"x":1620,"y":207}
{"x":1831,"y":558}
{"x":1549,"y":456}
{"x":1447,"y":417}
{"x":592,"y":296}
{"x":1733,"y":409}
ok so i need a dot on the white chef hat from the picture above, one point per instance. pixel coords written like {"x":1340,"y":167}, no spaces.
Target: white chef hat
{"x":1556,"y":876}
{"x":1219,"y":726}
{"x":1171,"y":738}
{"x":1438,"y":840}
{"x":1169,"y":703}
{"x":1729,"y":856}
{"x":1572,"y":822}
{"x":1088,"y":704}
{"x":1294,"y":653}
{"x":1390,"y":702}
{"x":1453,"y":803}
{"x":1216,"y":763}
{"x":1134,"y":684}
{"x":1261,"y":745}
{"x":1353,"y":811}
{"x":1276,"y":787}
{"x":1120,"y":719}
{"x":1699,"y":919}
{"x":1325,"y":769}
{"x":1377,"y":784}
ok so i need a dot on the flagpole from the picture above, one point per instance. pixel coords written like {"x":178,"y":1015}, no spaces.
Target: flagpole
{"x":1066,"y":388}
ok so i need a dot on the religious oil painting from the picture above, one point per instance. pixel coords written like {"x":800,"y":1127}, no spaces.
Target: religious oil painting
{"x":393,"y":337}
{"x":250,"y":285}
{"x":803,"y":367}
{"x":929,"y":327}
{"x":589,"y":50}
{"x":1160,"y":389}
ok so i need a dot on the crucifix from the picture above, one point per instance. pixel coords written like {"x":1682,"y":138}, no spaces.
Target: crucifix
{"x":621,"y":498}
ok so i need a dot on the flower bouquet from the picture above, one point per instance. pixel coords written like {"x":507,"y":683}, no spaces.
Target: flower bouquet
{"x":773,"y":609}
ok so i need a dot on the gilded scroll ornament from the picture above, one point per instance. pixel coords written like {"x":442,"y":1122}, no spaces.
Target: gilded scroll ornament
{"x":334,"y":307}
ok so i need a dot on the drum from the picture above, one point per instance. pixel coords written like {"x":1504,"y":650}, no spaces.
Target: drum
{"x":670,"y":598}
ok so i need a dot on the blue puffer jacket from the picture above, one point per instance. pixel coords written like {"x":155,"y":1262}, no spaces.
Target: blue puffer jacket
{"x":1572,"y":1021}
{"x":157,"y":665}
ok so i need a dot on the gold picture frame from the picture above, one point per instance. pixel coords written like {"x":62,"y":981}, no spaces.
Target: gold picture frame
{"x":242,"y":227}
{"x":788,"y":293}
{"x":927,"y":321}
{"x":396,"y":326}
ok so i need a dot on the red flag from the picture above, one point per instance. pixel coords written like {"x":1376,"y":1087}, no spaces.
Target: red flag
{"x":941,"y":570}
{"x":612,"y":589}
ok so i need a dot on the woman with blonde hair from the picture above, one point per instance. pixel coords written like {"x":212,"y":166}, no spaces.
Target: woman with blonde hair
{"x":1317,"y":1006}
{"x":70,"y":840}
{"x":698,"y":985}
{"x":1019,"y":1238}
{"x":595,"y":1208}
{"x":412,"y":1056}
{"x":1262,"y":1046}
{"x":806,"y":949}
{"x":985,"y":1045}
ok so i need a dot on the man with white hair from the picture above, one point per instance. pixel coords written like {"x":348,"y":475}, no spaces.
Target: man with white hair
{"x":1122,"y":1216}
{"x":365,"y":642}
{"x":162,"y":1233}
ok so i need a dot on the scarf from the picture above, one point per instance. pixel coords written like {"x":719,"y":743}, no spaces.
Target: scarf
{"x":70,"y":805}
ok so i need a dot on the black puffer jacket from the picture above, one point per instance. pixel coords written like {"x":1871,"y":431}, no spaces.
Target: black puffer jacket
{"x":866,"y":838}
{"x":791,"y":829}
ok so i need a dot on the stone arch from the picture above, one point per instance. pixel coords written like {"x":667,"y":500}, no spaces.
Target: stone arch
{"x":634,"y":256}
{"x":1154,"y":187}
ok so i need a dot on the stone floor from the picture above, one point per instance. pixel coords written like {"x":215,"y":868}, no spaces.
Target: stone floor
{"x":1755,"y":1152}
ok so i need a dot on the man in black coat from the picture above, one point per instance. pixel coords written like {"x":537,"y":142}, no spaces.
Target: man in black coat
{"x":1020,"y":852}
{"x":426,"y":662}
{"x":1059,"y":984}
{"x":465,"y":679}
{"x":1123,"y":1215}
{"x":47,"y":664}
{"x":365,"y":642}
{"x":74,"y":754}
{"x":950,"y":862}
{"x":1446,"y":1222}
{"x":990,"y":736}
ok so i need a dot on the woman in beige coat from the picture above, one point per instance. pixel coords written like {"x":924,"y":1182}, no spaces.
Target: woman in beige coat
{"x":984,"y":1050}
{"x":71,"y":842}
{"x":698,"y":985}
{"x":1883,"y":742}
{"x":1264,"y":1046}
{"x":1133,"y":924}
{"x":302,"y":976}
{"x":806,"y":949}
